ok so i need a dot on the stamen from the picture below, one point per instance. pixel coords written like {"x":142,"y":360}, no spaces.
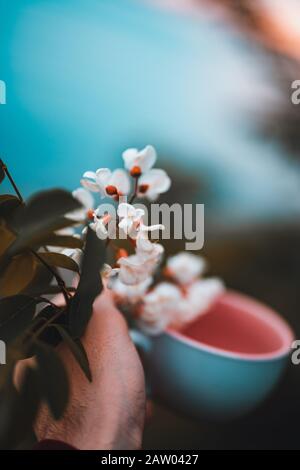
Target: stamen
{"x":143,"y":188}
{"x":90,"y":214}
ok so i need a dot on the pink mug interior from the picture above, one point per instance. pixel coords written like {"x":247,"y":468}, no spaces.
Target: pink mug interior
{"x":241,"y":327}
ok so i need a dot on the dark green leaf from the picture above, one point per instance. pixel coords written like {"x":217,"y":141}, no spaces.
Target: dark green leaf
{"x":47,"y":290}
{"x":43,"y":214}
{"x":8,"y":204}
{"x":18,"y":274}
{"x":59,"y":260}
{"x":90,"y":285}
{"x":7,"y":197}
{"x":44,"y":208}
{"x":77,"y":350}
{"x":35,"y":240}
{"x":16,"y":313}
{"x":6,"y":238}
{"x":48,"y":312}
{"x":41,"y":283}
{"x":50,"y":335}
{"x":63,"y":241}
{"x":18,"y":410}
{"x":52,"y":379}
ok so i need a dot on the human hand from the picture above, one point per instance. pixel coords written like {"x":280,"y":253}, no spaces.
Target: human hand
{"x":108,"y":413}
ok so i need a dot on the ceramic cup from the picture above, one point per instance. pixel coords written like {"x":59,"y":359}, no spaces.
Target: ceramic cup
{"x":223,"y":364}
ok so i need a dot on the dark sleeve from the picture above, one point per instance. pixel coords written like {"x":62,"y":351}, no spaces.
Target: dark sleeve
{"x":51,"y":444}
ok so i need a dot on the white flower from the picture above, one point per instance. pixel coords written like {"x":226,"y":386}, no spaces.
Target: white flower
{"x":139,"y":160}
{"x":130,"y":217}
{"x":142,"y":229}
{"x":86,"y":200}
{"x":146,"y":250}
{"x":185,"y":267}
{"x":159,"y":308}
{"x":109,"y":274}
{"x":203,"y":293}
{"x":106,"y":182}
{"x":134,"y":270}
{"x":198,"y":299}
{"x":130,"y":294}
{"x":153,"y":183}
{"x":99,"y":226}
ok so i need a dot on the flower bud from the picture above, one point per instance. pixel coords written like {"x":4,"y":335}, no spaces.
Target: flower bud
{"x":136,"y":172}
{"x":121,"y":253}
{"x":111,"y":190}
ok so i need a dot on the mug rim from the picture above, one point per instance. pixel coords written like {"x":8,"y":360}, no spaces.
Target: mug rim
{"x":256,"y":309}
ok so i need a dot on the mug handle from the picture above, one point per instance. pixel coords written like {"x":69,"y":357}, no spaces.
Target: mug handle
{"x":143,"y":345}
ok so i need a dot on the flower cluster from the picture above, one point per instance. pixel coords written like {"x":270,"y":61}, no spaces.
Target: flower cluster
{"x":182,"y":294}
{"x":180,"y":299}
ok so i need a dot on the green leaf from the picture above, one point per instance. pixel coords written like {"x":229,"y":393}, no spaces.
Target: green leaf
{"x":18,"y":274}
{"x":18,"y":410}
{"x":50,"y":335}
{"x":41,"y":283}
{"x":59,"y":260}
{"x":7,"y":197}
{"x":47,"y":290}
{"x":63,"y":241}
{"x":16,"y":313}
{"x":8,"y":205}
{"x":43,"y":214}
{"x":36,"y":239}
{"x":6,"y":239}
{"x":52,"y":379}
{"x":76,"y":348}
{"x":44,"y":208}
{"x":90,"y":285}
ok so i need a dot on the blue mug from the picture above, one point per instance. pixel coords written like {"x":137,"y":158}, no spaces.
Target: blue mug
{"x":223,"y":364}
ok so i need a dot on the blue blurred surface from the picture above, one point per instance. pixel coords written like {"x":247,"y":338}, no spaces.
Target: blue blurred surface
{"x":88,"y":78}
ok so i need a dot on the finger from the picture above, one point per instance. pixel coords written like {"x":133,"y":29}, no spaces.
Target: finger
{"x":19,"y":370}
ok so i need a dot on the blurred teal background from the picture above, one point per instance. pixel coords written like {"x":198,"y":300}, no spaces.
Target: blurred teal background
{"x":87,"y":78}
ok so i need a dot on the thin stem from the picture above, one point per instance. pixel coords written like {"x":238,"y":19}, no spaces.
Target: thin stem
{"x":36,"y":334}
{"x":6,"y":171}
{"x":135,"y":191}
{"x":58,"y":279}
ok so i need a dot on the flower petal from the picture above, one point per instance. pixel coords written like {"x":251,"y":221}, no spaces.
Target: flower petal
{"x":126,"y":210}
{"x":151,"y":228}
{"x":84,"y":197}
{"x":157,"y":181}
{"x":89,"y":185}
{"x":147,"y":158}
{"x":126,"y":225}
{"x":128,"y":156}
{"x":90,"y":174}
{"x":121,"y":181}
